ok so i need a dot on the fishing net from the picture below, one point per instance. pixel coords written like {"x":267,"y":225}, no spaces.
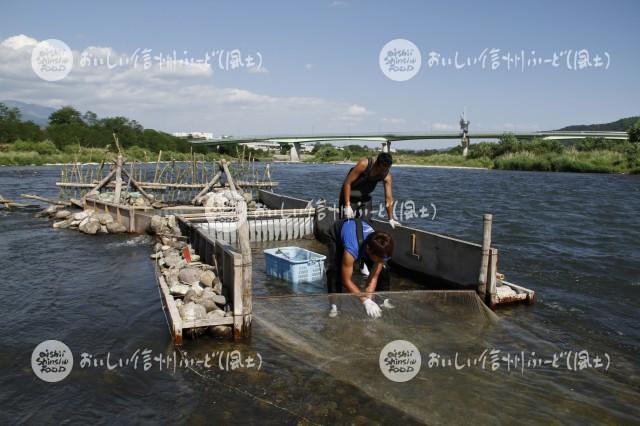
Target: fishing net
{"x":348,"y":346}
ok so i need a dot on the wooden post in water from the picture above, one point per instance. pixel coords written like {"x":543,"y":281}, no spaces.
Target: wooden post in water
{"x":206,"y":188}
{"x":227,"y":173}
{"x":135,"y":183}
{"x":486,"y":247}
{"x":116,"y":195}
{"x":155,"y":175}
{"x":245,"y":251}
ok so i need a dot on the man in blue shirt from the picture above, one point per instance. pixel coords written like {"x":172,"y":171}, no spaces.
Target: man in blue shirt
{"x":351,"y":242}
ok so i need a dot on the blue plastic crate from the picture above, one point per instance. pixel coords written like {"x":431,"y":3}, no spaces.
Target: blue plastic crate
{"x":294,"y":264}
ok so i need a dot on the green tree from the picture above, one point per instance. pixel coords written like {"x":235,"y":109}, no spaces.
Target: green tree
{"x":482,"y":149}
{"x":634,"y":133}
{"x":65,"y":115}
{"x":12,"y":129}
{"x":508,"y":143}
{"x":9,"y":114}
{"x":90,"y":118}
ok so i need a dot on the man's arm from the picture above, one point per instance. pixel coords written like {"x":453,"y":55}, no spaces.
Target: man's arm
{"x":360,"y":167}
{"x":372,"y":282}
{"x":388,"y":195}
{"x":347,"y":273}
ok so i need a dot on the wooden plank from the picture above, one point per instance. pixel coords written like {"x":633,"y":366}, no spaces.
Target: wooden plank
{"x":122,"y":206}
{"x":256,"y":184}
{"x":237,"y":292}
{"x":531,"y":295}
{"x":491,"y":278}
{"x":207,"y":322}
{"x":172,"y":311}
{"x":132,"y":221}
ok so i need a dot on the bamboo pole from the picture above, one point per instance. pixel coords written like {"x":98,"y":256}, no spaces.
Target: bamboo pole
{"x":155,"y":175}
{"x":46,"y":200}
{"x":227,"y":173}
{"x":134,"y":183}
{"x":103,"y":182}
{"x":212,"y":182}
{"x":193,"y":166}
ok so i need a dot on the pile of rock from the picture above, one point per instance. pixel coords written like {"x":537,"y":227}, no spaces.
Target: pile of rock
{"x":226,"y":198}
{"x":196,"y":289}
{"x":88,"y":221}
{"x":128,"y":198}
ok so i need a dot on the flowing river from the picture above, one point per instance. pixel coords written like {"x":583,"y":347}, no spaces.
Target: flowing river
{"x":573,"y":238}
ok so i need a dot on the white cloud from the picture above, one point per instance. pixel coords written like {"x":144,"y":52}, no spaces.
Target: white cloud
{"x":256,"y":70}
{"x":19,"y":41}
{"x":353,"y":114}
{"x":338,"y":3}
{"x":185,"y":97}
{"x":443,"y":126}
{"x":309,"y":67}
{"x":392,"y":120}
{"x":357,"y":110}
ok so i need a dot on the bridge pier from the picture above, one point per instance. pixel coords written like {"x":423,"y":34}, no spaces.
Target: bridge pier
{"x":295,"y":152}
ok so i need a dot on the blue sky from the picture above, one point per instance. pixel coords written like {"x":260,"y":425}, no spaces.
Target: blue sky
{"x":321,"y":60}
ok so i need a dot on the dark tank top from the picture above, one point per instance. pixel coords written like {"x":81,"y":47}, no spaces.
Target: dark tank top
{"x":366,"y":182}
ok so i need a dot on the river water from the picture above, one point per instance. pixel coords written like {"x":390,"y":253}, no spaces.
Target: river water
{"x":573,"y":238}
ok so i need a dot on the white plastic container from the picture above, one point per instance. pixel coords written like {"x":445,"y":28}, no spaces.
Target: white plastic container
{"x":294,"y":264}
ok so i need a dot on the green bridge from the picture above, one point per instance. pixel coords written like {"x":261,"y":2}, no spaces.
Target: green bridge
{"x":387,"y":138}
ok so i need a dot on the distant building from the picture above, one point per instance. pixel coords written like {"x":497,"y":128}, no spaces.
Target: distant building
{"x":307,"y":148}
{"x":391,"y":150}
{"x":194,"y":135}
{"x":263,"y":146}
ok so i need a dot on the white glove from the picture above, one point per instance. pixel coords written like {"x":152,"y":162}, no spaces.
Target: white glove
{"x":394,"y":223}
{"x":364,"y":270}
{"x":348,"y":212}
{"x":387,"y":304}
{"x":373,"y":310}
{"x":333,"y":312}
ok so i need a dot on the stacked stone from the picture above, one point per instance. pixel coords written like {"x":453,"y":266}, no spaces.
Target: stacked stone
{"x":196,"y":289}
{"x":128,"y":198}
{"x":88,"y":221}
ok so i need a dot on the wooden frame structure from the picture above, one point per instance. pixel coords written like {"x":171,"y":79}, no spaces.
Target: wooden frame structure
{"x":233,"y":270}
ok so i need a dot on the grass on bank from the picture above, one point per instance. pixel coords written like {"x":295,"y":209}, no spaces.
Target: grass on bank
{"x":26,"y":153}
{"x":588,"y":155}
{"x":618,"y":157}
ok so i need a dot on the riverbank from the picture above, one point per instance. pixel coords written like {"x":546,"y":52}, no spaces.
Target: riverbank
{"x":622,"y":159}
{"x":589,"y":155}
{"x":46,"y":154}
{"x":600,"y":161}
